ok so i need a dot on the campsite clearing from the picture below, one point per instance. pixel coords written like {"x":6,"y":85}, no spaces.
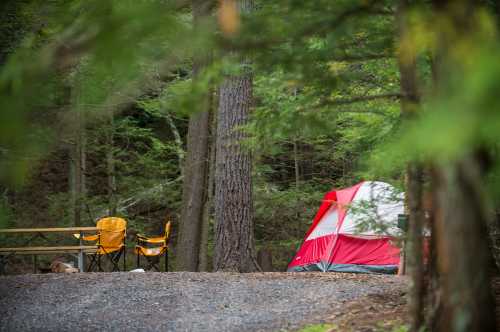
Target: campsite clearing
{"x":188,"y":301}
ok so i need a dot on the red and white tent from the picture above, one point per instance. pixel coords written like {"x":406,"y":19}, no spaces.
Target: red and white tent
{"x":335,"y":241}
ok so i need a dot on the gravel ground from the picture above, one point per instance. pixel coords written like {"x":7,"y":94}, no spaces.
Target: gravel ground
{"x":180,"y":301}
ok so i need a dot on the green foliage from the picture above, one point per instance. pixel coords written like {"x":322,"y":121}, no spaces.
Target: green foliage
{"x":6,"y":214}
{"x":124,"y":43}
{"x":326,"y":85}
{"x":146,"y":162}
{"x":368,"y":215}
{"x":402,"y":328}
{"x":60,"y":209}
{"x":318,"y":328}
{"x":460,"y":116}
{"x":294,"y":208}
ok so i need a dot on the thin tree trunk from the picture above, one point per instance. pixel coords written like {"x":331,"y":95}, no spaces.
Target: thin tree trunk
{"x":296,"y":154}
{"x":296,"y":163}
{"x":78,"y":156}
{"x":297,"y":186}
{"x":203,"y":257}
{"x":414,"y":173}
{"x":110,"y":160}
{"x":79,"y":153}
{"x":195,"y":168}
{"x":178,"y":141}
{"x":415,"y":246}
{"x":434,"y":291}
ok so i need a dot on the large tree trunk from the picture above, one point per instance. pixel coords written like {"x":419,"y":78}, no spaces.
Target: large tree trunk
{"x":433,"y":294}
{"x":414,"y":173}
{"x":195,"y":169}
{"x":234,"y":242}
{"x":461,"y":224}
{"x":415,"y":245}
{"x":464,"y":257}
{"x":234,"y":238}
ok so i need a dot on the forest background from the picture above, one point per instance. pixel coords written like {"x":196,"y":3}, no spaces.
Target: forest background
{"x":132,"y":150}
{"x":101,"y":99}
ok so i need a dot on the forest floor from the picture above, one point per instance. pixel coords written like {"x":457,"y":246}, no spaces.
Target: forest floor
{"x":201,"y":301}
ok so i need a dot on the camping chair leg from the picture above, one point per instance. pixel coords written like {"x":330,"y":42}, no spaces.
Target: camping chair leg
{"x":3,"y":262}
{"x":150,"y":264}
{"x":99,"y":263}
{"x":166,"y":260}
{"x":153,"y":263}
{"x":89,"y":267}
{"x":115,"y":259}
{"x":138,"y":260}
{"x":92,"y":263}
{"x":35,"y":264}
{"x":124,"y":259}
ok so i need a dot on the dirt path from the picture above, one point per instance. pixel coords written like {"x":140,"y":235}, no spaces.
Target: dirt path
{"x":182,"y":301}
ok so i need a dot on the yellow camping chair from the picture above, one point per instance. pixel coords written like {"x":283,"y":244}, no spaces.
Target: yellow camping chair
{"x":153,"y":248}
{"x":110,"y":240}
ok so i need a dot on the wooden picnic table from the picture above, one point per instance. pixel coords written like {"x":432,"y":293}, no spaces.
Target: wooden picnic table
{"x":50,"y":230}
{"x":80,"y":249}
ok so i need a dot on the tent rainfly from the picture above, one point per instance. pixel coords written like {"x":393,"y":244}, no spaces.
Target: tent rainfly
{"x":353,"y":231}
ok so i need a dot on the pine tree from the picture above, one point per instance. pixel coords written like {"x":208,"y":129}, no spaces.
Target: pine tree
{"x":196,"y":166}
{"x":234,"y":238}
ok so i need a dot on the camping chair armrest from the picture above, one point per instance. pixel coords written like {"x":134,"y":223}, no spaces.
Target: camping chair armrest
{"x":152,"y":240}
{"x":140,"y":238}
{"x":94,"y":237}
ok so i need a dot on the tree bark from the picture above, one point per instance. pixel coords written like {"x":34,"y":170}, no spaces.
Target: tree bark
{"x":110,"y":161}
{"x":414,"y":172}
{"x":234,"y":241}
{"x":461,"y":224}
{"x":207,"y":209}
{"x":296,"y":163}
{"x":78,"y":158}
{"x":195,"y":168}
{"x":79,"y":174}
{"x":415,"y":245}
{"x":178,"y":141}
{"x":464,"y":257}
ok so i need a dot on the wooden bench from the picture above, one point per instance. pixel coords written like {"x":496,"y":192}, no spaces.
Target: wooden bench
{"x":41,"y":250}
{"x":48,"y":250}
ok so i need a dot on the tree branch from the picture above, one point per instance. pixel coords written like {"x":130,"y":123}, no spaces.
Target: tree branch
{"x":319,"y":27}
{"x":328,"y":25}
{"x":358,"y":99}
{"x":363,"y":57}
{"x":367,"y":111}
{"x":125,"y":205}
